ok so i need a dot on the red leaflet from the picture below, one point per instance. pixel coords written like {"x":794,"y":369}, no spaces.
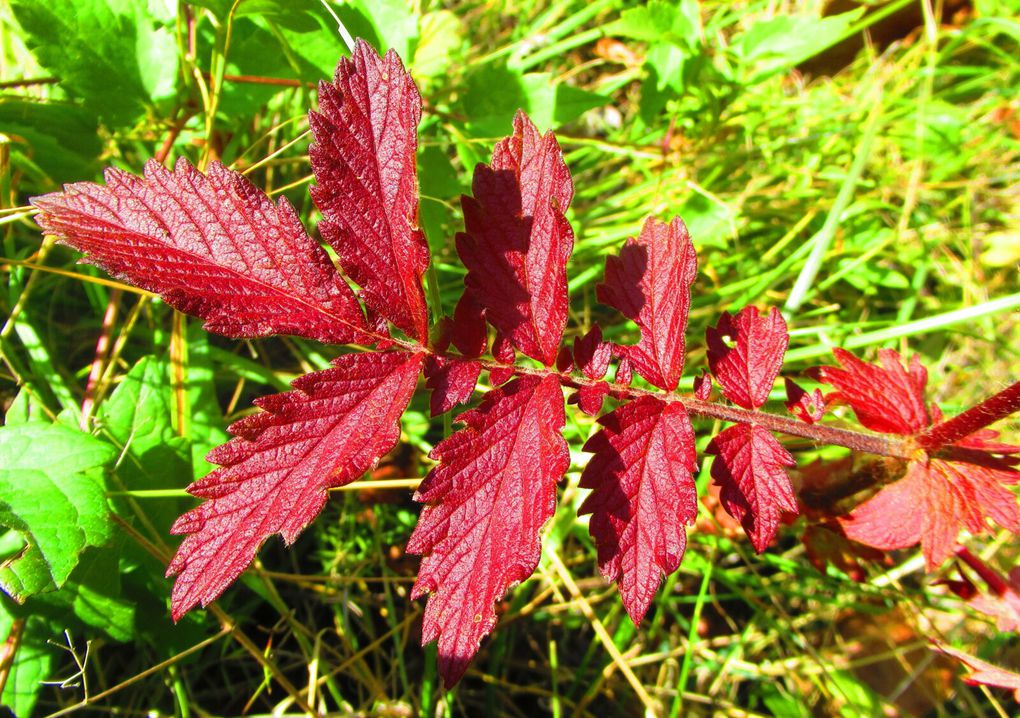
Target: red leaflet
{"x":327,"y":432}
{"x":452,"y":382}
{"x":486,"y":504}
{"x":213,"y":246}
{"x":931,"y":503}
{"x":517,"y":241}
{"x":643,"y":494}
{"x":747,"y":368}
{"x":650,"y":283}
{"x":889,"y":398}
{"x":755,"y":487}
{"x":591,"y":354}
{"x":809,"y":408}
{"x":364,"y":160}
{"x":985,"y":674}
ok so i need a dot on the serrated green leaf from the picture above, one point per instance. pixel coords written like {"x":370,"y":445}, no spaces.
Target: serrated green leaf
{"x":51,"y":491}
{"x":114,"y":54}
{"x":53,"y":143}
{"x":659,"y":21}
{"x":441,"y":43}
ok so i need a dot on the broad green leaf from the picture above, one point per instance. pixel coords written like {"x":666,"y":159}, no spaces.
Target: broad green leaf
{"x":494,"y":94}
{"x":53,"y":143}
{"x":659,"y":21}
{"x":52,"y":492}
{"x":440,"y":45}
{"x":779,"y":43}
{"x":92,"y":594}
{"x":205,"y":426}
{"x":114,"y":54}
{"x":32,"y":663}
{"x":394,"y":22}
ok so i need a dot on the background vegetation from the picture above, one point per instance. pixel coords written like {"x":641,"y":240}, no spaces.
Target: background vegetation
{"x":855,"y":165}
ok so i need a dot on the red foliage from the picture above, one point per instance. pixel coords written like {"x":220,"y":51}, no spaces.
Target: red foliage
{"x":643,"y":495}
{"x":755,"y":487}
{"x":518,"y":241}
{"x":214,"y":246}
{"x":650,"y":283}
{"x":211,"y":245}
{"x":364,"y":159}
{"x":485,"y":506}
{"x":274,"y":474}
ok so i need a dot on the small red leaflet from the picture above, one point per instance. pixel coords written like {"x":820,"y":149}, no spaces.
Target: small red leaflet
{"x":211,"y":245}
{"x":937,"y":497}
{"x":650,"y":283}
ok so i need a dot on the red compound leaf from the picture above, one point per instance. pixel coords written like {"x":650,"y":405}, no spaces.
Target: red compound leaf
{"x":931,"y":503}
{"x":485,"y":506}
{"x":589,"y":397}
{"x":517,"y":241}
{"x":643,"y":495}
{"x":275,"y":473}
{"x":755,"y":487}
{"x":452,"y":382}
{"x":888,"y":399}
{"x":468,"y":334}
{"x":364,"y":160}
{"x":213,"y":246}
{"x":650,"y":284}
{"x":747,"y":368}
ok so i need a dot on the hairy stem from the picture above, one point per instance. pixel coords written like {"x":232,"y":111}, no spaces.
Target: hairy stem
{"x":900,"y":447}
{"x":995,"y":407}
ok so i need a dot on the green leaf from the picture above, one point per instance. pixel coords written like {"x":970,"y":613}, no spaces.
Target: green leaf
{"x":441,"y":44}
{"x":495,"y":93}
{"x":53,"y":143}
{"x":779,"y":43}
{"x":137,"y":420}
{"x":660,"y":21}
{"x":52,"y":492}
{"x":114,"y":54}
{"x":33,"y":662}
{"x":395,"y":24}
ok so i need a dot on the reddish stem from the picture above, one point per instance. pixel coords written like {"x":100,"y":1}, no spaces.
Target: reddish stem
{"x":978,"y":417}
{"x":102,"y":351}
{"x":901,"y":447}
{"x":995,"y":582}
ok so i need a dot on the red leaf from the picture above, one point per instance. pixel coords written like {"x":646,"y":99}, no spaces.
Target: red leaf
{"x":755,"y":486}
{"x":703,"y":386}
{"x":469,"y":335}
{"x":985,"y":674}
{"x":589,"y":397}
{"x":364,"y":160}
{"x":809,"y":408}
{"x":643,"y":494}
{"x":888,"y":399}
{"x":650,"y":284}
{"x":275,"y":473}
{"x":747,"y":369}
{"x":517,"y":241}
{"x":211,"y":245}
{"x":931,"y":503}
{"x":486,"y":504}
{"x":591,"y":354}
{"x":452,"y":382}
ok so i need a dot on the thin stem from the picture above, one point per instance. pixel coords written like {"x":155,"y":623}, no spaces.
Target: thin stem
{"x":995,"y":407}
{"x":900,"y":447}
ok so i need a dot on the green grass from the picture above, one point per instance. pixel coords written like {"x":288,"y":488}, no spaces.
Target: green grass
{"x":875,"y":203}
